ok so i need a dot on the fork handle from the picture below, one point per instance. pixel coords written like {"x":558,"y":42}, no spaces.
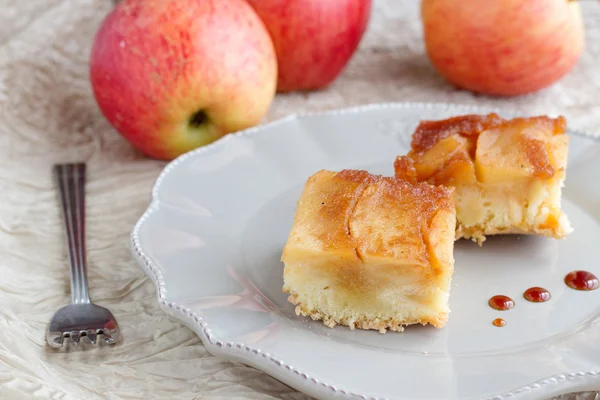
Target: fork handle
{"x":71,"y":184}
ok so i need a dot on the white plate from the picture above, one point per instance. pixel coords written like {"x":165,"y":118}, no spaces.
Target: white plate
{"x":212,"y":238}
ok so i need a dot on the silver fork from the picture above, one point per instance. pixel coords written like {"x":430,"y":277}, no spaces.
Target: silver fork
{"x":82,"y":318}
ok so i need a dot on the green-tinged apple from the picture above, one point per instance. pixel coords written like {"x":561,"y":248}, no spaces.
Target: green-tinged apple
{"x":173,"y":75}
{"x":504,"y":48}
{"x":314,"y":39}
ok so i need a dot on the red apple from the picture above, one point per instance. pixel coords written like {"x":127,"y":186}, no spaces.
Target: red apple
{"x":314,"y":39}
{"x":173,"y":75}
{"x":507,"y":47}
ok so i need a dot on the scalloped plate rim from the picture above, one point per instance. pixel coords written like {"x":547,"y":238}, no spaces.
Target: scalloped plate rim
{"x":564,"y":383}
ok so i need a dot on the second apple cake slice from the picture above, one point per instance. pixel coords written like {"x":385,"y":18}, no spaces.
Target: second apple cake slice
{"x":508,"y":174}
{"x":371,"y":252}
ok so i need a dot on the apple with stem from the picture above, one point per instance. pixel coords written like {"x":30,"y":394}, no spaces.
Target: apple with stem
{"x":173,"y":75}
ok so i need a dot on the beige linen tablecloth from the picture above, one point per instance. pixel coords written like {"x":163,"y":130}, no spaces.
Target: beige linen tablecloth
{"x":48,"y":114}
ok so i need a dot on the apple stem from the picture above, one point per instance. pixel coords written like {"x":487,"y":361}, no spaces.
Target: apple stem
{"x":198,"y":118}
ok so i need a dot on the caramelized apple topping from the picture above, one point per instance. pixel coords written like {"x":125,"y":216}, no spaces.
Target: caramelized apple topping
{"x":405,"y":169}
{"x":485,"y":148}
{"x":428,"y":133}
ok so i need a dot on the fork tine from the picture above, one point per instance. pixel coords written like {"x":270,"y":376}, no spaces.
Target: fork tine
{"x":91,"y":334}
{"x":75,"y":337}
{"x":108,"y":339}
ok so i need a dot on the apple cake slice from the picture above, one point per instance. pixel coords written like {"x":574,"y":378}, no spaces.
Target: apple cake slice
{"x":508,"y":174}
{"x":371,"y":252}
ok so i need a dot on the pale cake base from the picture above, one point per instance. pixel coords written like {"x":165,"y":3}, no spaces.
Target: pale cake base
{"x":387,"y":308}
{"x":532,"y":207}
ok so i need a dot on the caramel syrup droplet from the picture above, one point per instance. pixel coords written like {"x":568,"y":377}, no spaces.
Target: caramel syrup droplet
{"x":501,"y":302}
{"x":581,"y":280}
{"x":499,"y":322}
{"x":537,"y":295}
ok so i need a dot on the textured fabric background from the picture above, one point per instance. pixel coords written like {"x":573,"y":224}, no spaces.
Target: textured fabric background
{"x":48,"y":114}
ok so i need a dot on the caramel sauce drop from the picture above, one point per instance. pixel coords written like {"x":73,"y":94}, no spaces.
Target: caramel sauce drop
{"x":501,"y":302}
{"x":581,"y":280}
{"x":537,"y":295}
{"x":499,"y":322}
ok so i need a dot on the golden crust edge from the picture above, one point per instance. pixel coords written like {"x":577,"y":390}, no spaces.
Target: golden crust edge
{"x":394,"y":325}
{"x":478,"y":234}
